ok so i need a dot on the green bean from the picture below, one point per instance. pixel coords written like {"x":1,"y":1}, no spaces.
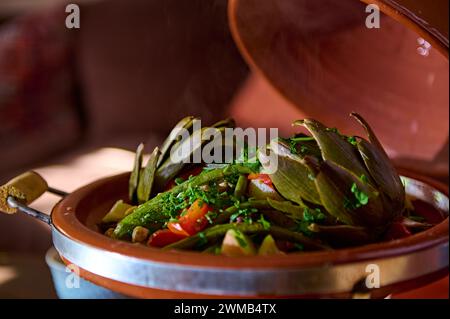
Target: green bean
{"x":289,"y":235}
{"x":225,"y":216}
{"x":213,"y":249}
{"x":295,"y":211}
{"x":212,"y":234}
{"x":280,"y":219}
{"x":216,"y":232}
{"x":241,"y":186}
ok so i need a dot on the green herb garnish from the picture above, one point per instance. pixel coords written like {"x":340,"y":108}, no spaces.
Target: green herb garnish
{"x":264,"y":222}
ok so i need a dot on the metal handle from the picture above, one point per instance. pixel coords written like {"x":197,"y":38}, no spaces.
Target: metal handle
{"x":21,"y":191}
{"x":14,"y":203}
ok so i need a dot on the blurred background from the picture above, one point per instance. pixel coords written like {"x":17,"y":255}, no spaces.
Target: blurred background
{"x":73,"y":102}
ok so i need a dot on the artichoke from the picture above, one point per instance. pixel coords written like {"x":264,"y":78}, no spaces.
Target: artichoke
{"x":351,"y":179}
{"x":161,"y":167}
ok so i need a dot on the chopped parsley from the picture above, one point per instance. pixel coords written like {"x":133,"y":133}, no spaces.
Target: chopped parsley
{"x":253,"y":162}
{"x":179,"y":180}
{"x":240,"y":239}
{"x":352,"y":140}
{"x":359,"y":198}
{"x":264,"y":222}
{"x":245,"y":214}
{"x":203,"y":240}
{"x":210,"y":216}
{"x":313,"y":217}
{"x":333,"y":129}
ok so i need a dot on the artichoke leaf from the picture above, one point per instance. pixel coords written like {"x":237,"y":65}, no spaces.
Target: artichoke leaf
{"x":370,"y":133}
{"x":134,"y":177}
{"x":347,"y":198}
{"x":229,"y":122}
{"x":174,"y":164}
{"x":334,"y":147}
{"x":294,"y":211}
{"x":380,"y":167}
{"x":184,"y":124}
{"x":345,"y":235}
{"x":292,"y":179}
{"x":171,"y":167}
{"x":147,"y":177}
{"x":298,"y":212}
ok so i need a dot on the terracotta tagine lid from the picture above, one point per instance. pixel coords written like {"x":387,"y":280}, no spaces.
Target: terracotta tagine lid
{"x":321,"y":56}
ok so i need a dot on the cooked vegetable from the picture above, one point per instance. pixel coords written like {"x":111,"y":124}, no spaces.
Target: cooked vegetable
{"x":329,"y":191}
{"x":185,"y":123}
{"x":237,"y":244}
{"x":160,"y":209}
{"x":261,"y":187}
{"x":110,"y":232}
{"x":117,"y":212}
{"x":172,"y":165}
{"x":134,"y":177}
{"x":163,"y":237}
{"x":268,"y":247}
{"x":348,"y":177}
{"x":193,"y":221}
{"x":241,"y":186}
{"x":139,"y":235}
{"x":147,"y":177}
{"x":214,"y":233}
